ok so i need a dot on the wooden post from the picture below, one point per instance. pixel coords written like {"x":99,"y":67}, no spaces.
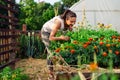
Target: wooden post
{"x":11,"y":40}
{"x":24,"y":28}
{"x":9,"y":15}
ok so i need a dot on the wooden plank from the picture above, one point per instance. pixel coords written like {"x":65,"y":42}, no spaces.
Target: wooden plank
{"x":5,"y":30}
{"x":9,"y":36}
{"x":7,"y":17}
{"x":11,"y":30}
{"x":12,"y":62}
{"x":9,"y":44}
{"x":4,"y":7}
{"x":10,"y":2}
{"x":9,"y":23}
{"x":5,"y":45}
{"x":7,"y":51}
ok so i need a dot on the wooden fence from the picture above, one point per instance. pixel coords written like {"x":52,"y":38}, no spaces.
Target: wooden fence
{"x":8,"y":47}
{"x":8,"y":33}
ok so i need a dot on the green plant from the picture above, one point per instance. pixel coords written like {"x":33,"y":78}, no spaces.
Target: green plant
{"x":8,"y":74}
{"x":85,"y":42}
{"x":23,"y":41}
{"x":108,"y":77}
{"x":30,"y":46}
{"x":76,"y":77}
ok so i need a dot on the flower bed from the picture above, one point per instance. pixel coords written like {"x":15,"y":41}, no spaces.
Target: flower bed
{"x":100,"y":46}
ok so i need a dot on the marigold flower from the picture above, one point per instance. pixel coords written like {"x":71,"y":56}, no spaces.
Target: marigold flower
{"x":101,"y":38}
{"x":85,"y":45}
{"x":88,"y":43}
{"x":90,"y":39}
{"x":95,"y":47}
{"x":114,"y":37}
{"x":118,"y":40}
{"x":75,"y":42}
{"x":101,"y":43}
{"x":117,"y":52}
{"x":72,"y":51}
{"x":108,"y":45}
{"x":57,"y":50}
{"x":93,"y":66}
{"x":118,"y":37}
{"x":104,"y":54}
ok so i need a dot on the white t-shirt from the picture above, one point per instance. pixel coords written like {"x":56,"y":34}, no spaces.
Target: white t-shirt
{"x":47,"y":27}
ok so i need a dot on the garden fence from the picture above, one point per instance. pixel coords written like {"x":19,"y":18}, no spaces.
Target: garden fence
{"x":8,"y":33}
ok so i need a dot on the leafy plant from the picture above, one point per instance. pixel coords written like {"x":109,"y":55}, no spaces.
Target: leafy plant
{"x":76,"y":77}
{"x":8,"y":74}
{"x":108,"y":77}
{"x":30,"y":46}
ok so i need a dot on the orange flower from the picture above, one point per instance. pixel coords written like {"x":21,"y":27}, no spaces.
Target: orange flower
{"x":88,"y":43}
{"x":57,"y":50}
{"x":101,"y":43}
{"x":118,"y":37}
{"x":95,"y":47}
{"x":101,"y":38}
{"x":85,"y":45}
{"x":75,"y":42}
{"x":114,"y":37}
{"x":104,"y":54}
{"x":118,"y":40}
{"x":108,"y":45}
{"x":116,"y":52}
{"x":72,"y":51}
{"x":90,"y":39}
{"x":93,"y":66}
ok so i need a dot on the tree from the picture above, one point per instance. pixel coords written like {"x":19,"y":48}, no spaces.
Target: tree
{"x":34,"y":15}
{"x":48,"y":14}
{"x":44,"y":11}
{"x":27,"y":13}
{"x":69,"y":3}
{"x":58,"y":8}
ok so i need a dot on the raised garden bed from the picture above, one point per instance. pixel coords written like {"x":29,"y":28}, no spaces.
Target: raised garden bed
{"x":99,"y":48}
{"x":71,"y":73}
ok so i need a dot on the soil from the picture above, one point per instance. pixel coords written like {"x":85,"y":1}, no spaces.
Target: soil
{"x":35,"y":68}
